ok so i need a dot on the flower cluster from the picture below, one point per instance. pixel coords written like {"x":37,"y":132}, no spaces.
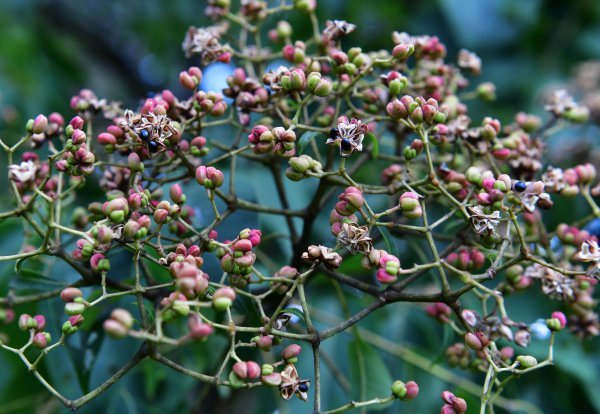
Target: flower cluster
{"x":425,"y":205}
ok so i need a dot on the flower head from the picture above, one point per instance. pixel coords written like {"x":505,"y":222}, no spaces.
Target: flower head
{"x":349,"y":135}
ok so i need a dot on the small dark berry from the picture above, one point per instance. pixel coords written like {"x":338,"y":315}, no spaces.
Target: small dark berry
{"x":345,"y":144}
{"x":152,"y":146}
{"x":520,"y":186}
{"x":333,"y":134}
{"x":144,"y":134}
{"x":303,"y":387}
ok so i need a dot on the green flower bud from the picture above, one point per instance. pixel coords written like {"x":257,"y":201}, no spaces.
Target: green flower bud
{"x":526,"y":361}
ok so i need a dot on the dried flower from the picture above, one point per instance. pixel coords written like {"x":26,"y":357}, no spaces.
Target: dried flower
{"x":484,"y":223}
{"x":292,"y":384}
{"x":355,"y":238}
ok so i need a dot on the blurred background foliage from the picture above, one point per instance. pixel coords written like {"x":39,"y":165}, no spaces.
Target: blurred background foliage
{"x":125,"y":49}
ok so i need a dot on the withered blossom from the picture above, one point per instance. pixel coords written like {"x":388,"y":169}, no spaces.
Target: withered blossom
{"x":554,"y":284}
{"x":533,"y":193}
{"x":149,"y":128}
{"x":322,"y":254}
{"x":349,"y":135}
{"x":204,"y":42}
{"x":355,"y":238}
{"x":470,"y":61}
{"x":23,"y":173}
{"x":559,"y":101}
{"x":337,"y":28}
{"x":484,"y":223}
{"x":554,"y":179}
{"x":590,"y":252}
{"x":292,"y":384}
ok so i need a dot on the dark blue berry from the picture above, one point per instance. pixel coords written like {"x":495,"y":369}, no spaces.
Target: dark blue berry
{"x":333,"y":133}
{"x":303,"y":387}
{"x":345,"y":144}
{"x":519,"y":186}
{"x":144,"y":134}
{"x":152,"y":146}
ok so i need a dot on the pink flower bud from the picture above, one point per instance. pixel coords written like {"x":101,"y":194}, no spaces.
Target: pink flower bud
{"x":41,"y":340}
{"x":176,"y":194}
{"x":70,"y":293}
{"x":39,"y":124}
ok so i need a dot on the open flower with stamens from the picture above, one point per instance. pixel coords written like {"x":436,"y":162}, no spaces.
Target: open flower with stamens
{"x":23,"y":173}
{"x":349,"y":135}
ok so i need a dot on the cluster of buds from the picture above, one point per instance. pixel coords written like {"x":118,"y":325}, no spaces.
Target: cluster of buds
{"x":572,"y":235}
{"x":243,"y":371}
{"x":317,"y":85}
{"x":74,"y":302}
{"x":238,"y":258}
{"x":458,"y":355}
{"x":35,"y":325}
{"x":137,"y":227}
{"x":476,"y":341}
{"x":119,"y":324}
{"x":77,"y":159}
{"x":492,"y":191}
{"x":413,"y":150}
{"x":164,"y":212}
{"x":405,"y":391}
{"x":281,"y":33}
{"x":439,"y":311}
{"x":417,"y":110}
{"x":517,"y":278}
{"x":453,"y":404}
{"x":43,"y":129}
{"x":350,"y":201}
{"x":337,"y":221}
{"x":209,"y":177}
{"x":410,"y":206}
{"x":389,"y":268}
{"x":277,"y":140}
{"x":466,"y":259}
{"x":394,"y":81}
{"x":184,"y":266}
{"x":302,"y":167}
{"x":456,"y":182}
{"x":210,"y":103}
{"x":190,"y":79}
{"x":392,"y":174}
{"x":248,"y":94}
{"x":556,"y":322}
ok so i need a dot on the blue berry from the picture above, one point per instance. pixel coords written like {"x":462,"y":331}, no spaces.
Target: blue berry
{"x":519,"y":186}
{"x":345,"y":144}
{"x":152,"y":146}
{"x":144,"y":134}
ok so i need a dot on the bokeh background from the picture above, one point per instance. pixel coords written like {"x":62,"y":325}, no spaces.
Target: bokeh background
{"x":125,"y":49}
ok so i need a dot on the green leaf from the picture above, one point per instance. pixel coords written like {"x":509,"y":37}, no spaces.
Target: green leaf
{"x":375,"y":148}
{"x":392,"y":247}
{"x":293,"y":311}
{"x":305,"y":140}
{"x":368,"y":372}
